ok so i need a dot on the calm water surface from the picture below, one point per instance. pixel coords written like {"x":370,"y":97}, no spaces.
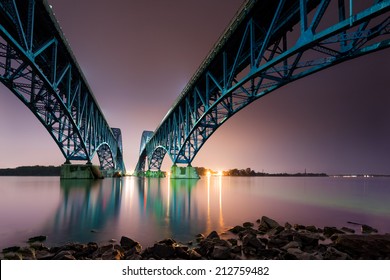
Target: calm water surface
{"x":149,"y":210}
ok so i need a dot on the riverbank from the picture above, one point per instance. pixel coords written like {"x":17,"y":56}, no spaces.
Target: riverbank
{"x":264,"y":239}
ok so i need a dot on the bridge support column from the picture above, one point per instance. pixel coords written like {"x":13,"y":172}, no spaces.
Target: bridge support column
{"x":189,"y":172}
{"x":80,"y":171}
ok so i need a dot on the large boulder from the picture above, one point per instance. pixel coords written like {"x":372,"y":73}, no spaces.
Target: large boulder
{"x":367,"y":247}
{"x":367,"y":229}
{"x":252,"y":241}
{"x":329,"y":231}
{"x":221,"y":253}
{"x":38,"y":238}
{"x":237,"y":229}
{"x":130,"y":246}
{"x":267,"y":223}
{"x":163,"y":251}
{"x":213,"y":235}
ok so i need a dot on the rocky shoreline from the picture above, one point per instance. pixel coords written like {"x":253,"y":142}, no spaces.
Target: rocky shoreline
{"x":265,"y":239}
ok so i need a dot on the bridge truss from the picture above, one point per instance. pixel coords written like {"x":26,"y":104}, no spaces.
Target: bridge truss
{"x":38,"y":66}
{"x":267,"y":45}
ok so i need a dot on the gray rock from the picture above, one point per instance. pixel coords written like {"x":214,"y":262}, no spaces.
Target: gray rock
{"x":334,"y":254}
{"x":367,"y":229}
{"x":119,"y":248}
{"x":292,"y":244}
{"x":311,"y":228}
{"x":249,"y":251}
{"x":277,"y":242}
{"x":112,"y":254}
{"x":194,"y":255}
{"x":252,"y":241}
{"x":367,"y":247}
{"x":348,"y":230}
{"x":213,"y":235}
{"x":27,"y":253}
{"x":308,"y":240}
{"x":38,"y":238}
{"x":101,"y":250}
{"x":299,"y":227}
{"x":329,"y":231}
{"x":86,"y":251}
{"x":13,"y":256}
{"x":252,"y":231}
{"x":301,"y":255}
{"x":220,"y":253}
{"x":106,"y":248}
{"x":267,"y":224}
{"x":128,"y":243}
{"x":64,"y":255}
{"x":163,"y":251}
{"x":182,"y":252}
{"x":134,"y":257}
{"x":44,"y":255}
{"x":269,"y":254}
{"x":237,"y":229}
{"x":233,"y":241}
{"x":248,"y":224}
{"x":287,"y":226}
{"x":11,"y":249}
{"x":168,"y":241}
{"x":236,"y":249}
{"x":275,"y":231}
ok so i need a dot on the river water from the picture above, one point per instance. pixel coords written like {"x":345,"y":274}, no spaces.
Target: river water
{"x":149,"y":210}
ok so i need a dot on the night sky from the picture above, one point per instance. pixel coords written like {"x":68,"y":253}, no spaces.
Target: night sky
{"x":138,"y":56}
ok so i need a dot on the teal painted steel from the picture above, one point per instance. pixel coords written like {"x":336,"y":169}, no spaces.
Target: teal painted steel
{"x":38,"y":66}
{"x":267,"y":45}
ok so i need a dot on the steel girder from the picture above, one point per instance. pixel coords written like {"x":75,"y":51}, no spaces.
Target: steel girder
{"x":146,"y":136}
{"x":38,"y":66}
{"x":268,"y":45}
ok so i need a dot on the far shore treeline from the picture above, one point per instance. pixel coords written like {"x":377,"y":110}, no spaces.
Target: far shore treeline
{"x":36,"y":170}
{"x":202,"y":171}
{"x":39,"y":170}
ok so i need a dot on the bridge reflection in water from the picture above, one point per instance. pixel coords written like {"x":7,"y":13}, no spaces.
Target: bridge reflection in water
{"x":151,"y":209}
{"x":180,"y":207}
{"x":86,"y":208}
{"x":145,"y":209}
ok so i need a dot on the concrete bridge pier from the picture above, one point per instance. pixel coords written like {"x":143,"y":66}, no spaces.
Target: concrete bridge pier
{"x":80,"y":171}
{"x":188,"y":172}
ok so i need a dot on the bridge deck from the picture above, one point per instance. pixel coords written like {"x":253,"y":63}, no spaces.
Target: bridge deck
{"x":256,"y":9}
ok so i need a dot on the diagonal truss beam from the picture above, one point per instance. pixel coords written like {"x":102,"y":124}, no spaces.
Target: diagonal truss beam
{"x":37,"y":65}
{"x":268,"y":45}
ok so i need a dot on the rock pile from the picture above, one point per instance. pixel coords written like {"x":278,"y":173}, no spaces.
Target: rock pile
{"x":266,"y":240}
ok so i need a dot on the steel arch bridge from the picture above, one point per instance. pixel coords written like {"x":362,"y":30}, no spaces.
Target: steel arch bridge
{"x":267,"y":45}
{"x":38,"y":66}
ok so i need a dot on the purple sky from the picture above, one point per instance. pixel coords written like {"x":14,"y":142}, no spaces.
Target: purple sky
{"x":137,"y":57}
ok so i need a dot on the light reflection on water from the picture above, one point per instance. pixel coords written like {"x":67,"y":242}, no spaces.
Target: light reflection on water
{"x":149,"y":210}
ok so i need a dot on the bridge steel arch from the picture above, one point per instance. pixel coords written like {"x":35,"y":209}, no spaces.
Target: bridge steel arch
{"x":38,"y":66}
{"x":267,"y":45}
